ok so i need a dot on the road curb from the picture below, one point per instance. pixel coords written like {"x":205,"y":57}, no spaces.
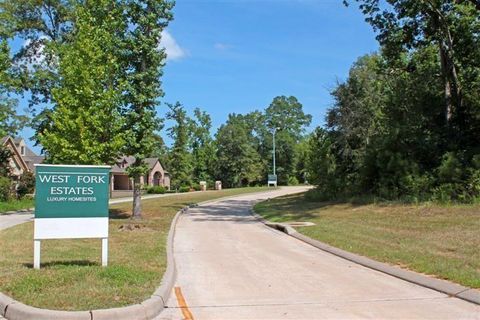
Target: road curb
{"x":452,"y":289}
{"x":146,"y":310}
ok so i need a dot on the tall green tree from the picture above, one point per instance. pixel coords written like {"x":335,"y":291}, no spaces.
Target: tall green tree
{"x":387,"y":123}
{"x":286,"y":116}
{"x":146,"y":21}
{"x":10,"y":121}
{"x":202,"y":147}
{"x":238,"y":162}
{"x":302,"y":153}
{"x":321,"y":164}
{"x":44,"y":26}
{"x":452,"y":26}
{"x":159,"y":148}
{"x":85,"y":125}
{"x":180,"y":159}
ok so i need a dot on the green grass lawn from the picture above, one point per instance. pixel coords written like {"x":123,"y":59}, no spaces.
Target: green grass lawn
{"x":71,"y":277}
{"x":442,"y":241}
{"x":16,"y":205}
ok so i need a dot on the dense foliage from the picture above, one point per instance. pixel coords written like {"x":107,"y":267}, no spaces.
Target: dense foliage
{"x":406,"y":122}
{"x":240,"y":153}
{"x":93,"y":73}
{"x":87,"y":97}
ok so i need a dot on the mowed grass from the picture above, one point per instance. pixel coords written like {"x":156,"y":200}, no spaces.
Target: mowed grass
{"x":14,"y":205}
{"x":441,"y":241}
{"x":71,"y":277}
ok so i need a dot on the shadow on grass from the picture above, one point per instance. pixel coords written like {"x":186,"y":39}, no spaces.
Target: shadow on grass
{"x":78,"y":263}
{"x":119,"y":214}
{"x":297,"y":207}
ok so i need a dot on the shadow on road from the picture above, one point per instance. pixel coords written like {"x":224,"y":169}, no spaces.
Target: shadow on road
{"x":228,"y":210}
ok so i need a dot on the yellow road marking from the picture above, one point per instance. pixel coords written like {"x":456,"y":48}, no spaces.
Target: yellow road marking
{"x":183,"y":304}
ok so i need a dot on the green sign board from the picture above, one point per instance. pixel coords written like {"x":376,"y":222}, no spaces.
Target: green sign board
{"x":71,"y":191}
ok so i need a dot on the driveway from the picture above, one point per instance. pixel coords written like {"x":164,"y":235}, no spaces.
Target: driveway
{"x":230,"y":266}
{"x":10,"y":220}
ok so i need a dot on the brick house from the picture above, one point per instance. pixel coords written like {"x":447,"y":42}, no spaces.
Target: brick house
{"x":23,"y":159}
{"x":156,"y":175}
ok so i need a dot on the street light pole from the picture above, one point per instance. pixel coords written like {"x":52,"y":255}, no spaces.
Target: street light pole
{"x":274,"y":169}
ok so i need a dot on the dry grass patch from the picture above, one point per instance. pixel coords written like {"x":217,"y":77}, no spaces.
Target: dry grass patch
{"x":71,"y":277}
{"x":441,"y":241}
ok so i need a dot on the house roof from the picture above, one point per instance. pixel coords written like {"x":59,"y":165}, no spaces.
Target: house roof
{"x":30,"y":158}
{"x":31,"y":161}
{"x":124,"y":162}
{"x":151,"y":162}
{"x":17,"y":157}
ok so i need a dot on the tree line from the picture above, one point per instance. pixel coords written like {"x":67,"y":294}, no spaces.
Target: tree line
{"x":406,"y":122}
{"x":91,"y":71}
{"x":240,"y":152}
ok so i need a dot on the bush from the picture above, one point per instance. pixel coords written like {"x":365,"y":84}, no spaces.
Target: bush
{"x":473,"y":183}
{"x":184,"y":189}
{"x":450,"y":170}
{"x":446,"y":192}
{"x":156,"y":190}
{"x":416,"y":187}
{"x":26,"y":184}
{"x":196,"y":187}
{"x":293,"y":181}
{"x":5,"y":189}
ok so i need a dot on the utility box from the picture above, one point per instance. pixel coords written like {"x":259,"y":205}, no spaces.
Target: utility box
{"x":203,"y":185}
{"x":218,"y":185}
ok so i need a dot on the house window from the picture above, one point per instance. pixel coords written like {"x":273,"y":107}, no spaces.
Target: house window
{"x":22,"y":150}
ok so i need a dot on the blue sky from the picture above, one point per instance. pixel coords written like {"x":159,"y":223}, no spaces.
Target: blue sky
{"x":237,"y":55}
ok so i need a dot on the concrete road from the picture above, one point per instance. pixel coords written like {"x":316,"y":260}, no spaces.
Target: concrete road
{"x":232,"y":267}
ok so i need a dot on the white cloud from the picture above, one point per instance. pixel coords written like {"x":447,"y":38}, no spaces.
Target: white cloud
{"x":172,"y":49}
{"x":221,"y":46}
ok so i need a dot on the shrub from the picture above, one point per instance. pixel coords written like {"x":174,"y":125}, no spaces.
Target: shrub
{"x":473,"y":183}
{"x":293,"y":181}
{"x":5,"y":189}
{"x":26,"y":184}
{"x":416,"y":187}
{"x":450,"y":170}
{"x":196,"y":187}
{"x":447,"y":192}
{"x":184,"y":189}
{"x":156,"y":190}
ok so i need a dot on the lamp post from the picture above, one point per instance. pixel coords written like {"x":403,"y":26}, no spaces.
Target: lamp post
{"x":273,"y":132}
